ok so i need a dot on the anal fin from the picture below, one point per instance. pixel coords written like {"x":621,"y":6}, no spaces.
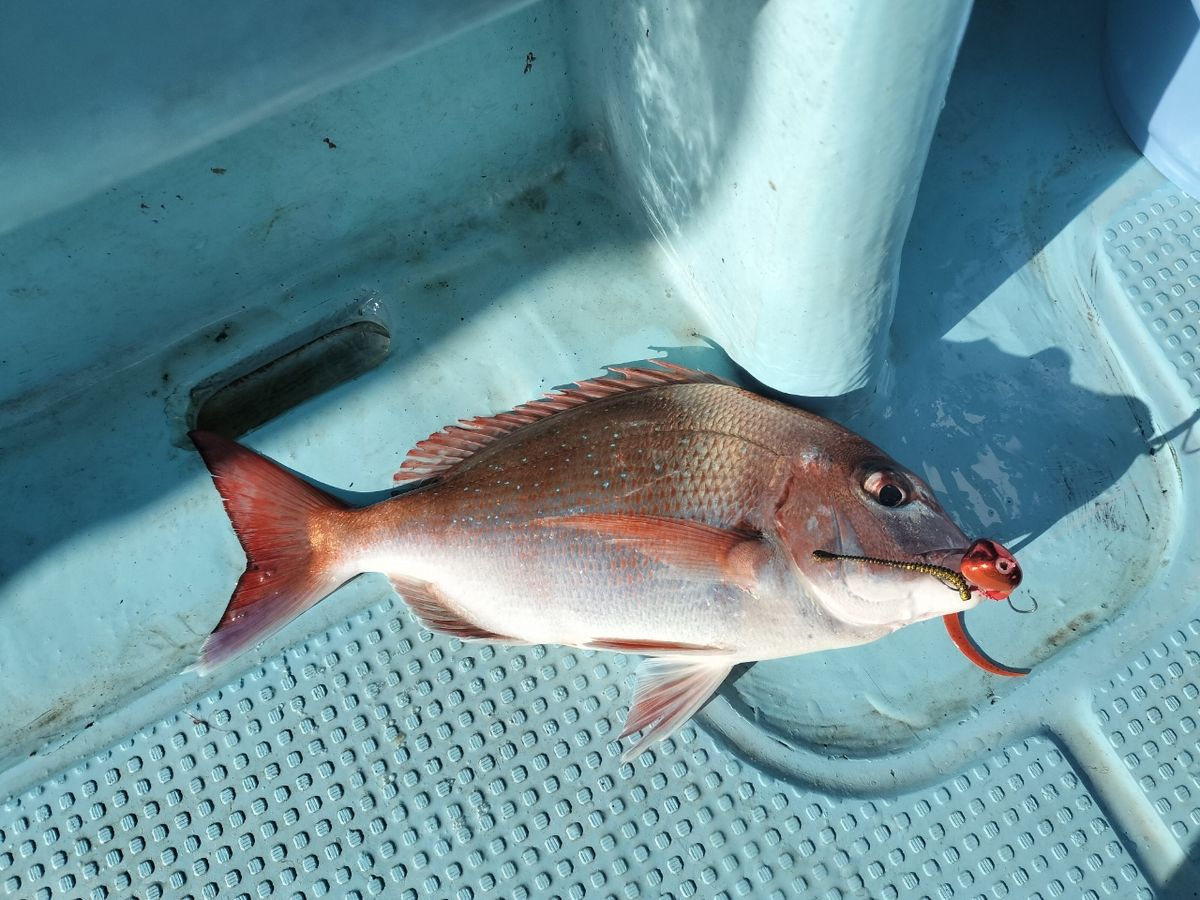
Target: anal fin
{"x":438,"y":613}
{"x":669,"y":692}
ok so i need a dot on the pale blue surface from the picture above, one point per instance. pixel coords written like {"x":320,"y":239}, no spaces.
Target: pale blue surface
{"x":1042,"y":373}
{"x":92,"y":97}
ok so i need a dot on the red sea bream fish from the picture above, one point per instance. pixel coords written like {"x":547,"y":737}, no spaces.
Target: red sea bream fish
{"x":665,"y":513}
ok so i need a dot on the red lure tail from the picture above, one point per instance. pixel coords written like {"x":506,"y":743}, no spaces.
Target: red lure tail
{"x":274,"y":514}
{"x":963,"y":641}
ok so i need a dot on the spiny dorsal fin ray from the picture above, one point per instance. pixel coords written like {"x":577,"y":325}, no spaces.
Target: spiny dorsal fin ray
{"x":445,"y":449}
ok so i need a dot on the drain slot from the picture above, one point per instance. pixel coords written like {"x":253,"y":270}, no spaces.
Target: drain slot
{"x":234,"y":407}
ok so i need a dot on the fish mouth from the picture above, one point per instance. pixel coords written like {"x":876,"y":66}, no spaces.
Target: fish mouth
{"x":949,"y":559}
{"x":986,"y":566}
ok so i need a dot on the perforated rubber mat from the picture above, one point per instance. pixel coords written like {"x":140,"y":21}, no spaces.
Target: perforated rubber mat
{"x":381,"y":760}
{"x":1155,"y":249}
{"x":1149,"y":713}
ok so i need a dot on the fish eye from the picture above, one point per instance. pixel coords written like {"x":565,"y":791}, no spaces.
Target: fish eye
{"x":888,"y":488}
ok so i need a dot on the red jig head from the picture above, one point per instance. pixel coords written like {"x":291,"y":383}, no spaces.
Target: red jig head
{"x":995,"y":573}
{"x":991,"y":568}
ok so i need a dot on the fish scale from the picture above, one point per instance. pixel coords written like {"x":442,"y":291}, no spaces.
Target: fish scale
{"x":672,"y":452}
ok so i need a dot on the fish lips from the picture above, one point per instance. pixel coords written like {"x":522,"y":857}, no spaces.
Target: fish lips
{"x":987,"y":565}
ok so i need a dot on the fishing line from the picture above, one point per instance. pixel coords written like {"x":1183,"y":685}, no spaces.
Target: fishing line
{"x":948,"y":577}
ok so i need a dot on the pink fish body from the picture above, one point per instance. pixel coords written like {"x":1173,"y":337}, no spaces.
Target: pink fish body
{"x":665,"y":513}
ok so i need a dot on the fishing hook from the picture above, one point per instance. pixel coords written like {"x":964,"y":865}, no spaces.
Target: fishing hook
{"x":1032,"y":609}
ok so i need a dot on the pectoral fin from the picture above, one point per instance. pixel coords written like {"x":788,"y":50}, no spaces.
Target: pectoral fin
{"x":701,"y":550}
{"x":669,"y":692}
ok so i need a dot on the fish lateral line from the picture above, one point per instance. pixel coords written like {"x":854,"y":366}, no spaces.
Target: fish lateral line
{"x":948,"y":577}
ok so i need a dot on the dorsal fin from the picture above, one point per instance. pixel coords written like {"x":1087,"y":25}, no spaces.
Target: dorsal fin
{"x":445,"y":449}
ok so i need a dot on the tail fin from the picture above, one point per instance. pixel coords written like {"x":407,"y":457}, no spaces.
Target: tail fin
{"x":273,"y":513}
